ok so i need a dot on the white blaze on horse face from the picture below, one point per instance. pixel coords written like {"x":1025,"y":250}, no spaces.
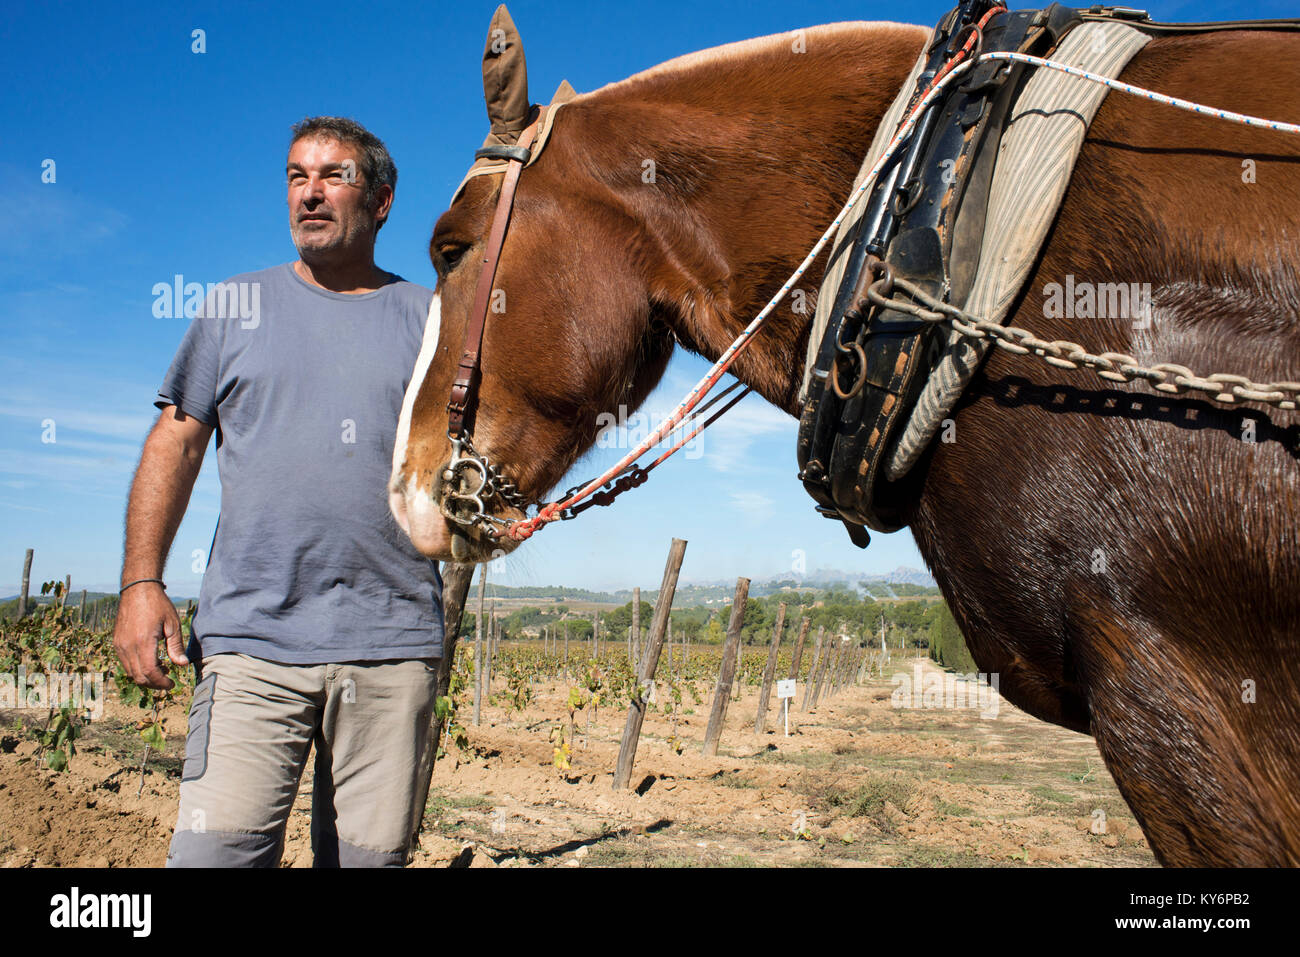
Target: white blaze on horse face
{"x":402,"y":499}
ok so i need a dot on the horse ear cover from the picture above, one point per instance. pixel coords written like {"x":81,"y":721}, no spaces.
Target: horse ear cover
{"x":505,"y":78}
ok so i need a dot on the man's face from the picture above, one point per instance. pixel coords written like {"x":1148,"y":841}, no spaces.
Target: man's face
{"x":327,"y":211}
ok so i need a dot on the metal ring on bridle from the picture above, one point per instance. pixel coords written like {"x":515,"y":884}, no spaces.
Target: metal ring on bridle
{"x":862,"y":373}
{"x":491,"y":485}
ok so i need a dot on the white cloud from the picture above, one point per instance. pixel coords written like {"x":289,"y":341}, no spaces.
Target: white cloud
{"x":118,"y":425}
{"x":755,"y":505}
{"x":51,"y":220}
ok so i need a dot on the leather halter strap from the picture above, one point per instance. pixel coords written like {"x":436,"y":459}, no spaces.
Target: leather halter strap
{"x":463,"y":388}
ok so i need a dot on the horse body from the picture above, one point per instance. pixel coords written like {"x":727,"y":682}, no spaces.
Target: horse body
{"x":1125,"y":561}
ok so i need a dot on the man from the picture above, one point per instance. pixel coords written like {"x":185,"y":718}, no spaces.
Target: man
{"x":318,"y":622}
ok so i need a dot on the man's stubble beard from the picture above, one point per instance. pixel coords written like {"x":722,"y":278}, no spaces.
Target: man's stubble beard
{"x":348,"y":244}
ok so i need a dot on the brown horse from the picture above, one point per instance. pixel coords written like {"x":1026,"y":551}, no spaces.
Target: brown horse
{"x":1126,"y":561}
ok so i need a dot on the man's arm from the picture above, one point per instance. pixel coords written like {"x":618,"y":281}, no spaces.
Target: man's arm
{"x":160,"y":493}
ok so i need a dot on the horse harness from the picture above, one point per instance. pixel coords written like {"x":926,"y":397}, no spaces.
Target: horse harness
{"x":461,"y":503}
{"x":922,"y":227}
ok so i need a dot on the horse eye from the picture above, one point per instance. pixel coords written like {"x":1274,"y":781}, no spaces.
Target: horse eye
{"x":451,"y":254}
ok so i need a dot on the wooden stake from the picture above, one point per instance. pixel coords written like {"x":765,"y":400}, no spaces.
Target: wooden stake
{"x":478,"y":649}
{"x":456,"y":579}
{"x":648,"y":662}
{"x":722,"y":693}
{"x":765,"y":693}
{"x":636,"y":627}
{"x":812,"y":669}
{"x":27,"y":581}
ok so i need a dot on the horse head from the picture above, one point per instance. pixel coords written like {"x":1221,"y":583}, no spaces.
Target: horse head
{"x":650,"y":213}
{"x":542,"y":378}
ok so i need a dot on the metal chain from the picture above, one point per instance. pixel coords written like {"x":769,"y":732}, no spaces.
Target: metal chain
{"x":1113,"y":366}
{"x":496,"y":482}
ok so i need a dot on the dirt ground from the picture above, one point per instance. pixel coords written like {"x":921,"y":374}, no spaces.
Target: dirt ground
{"x":857,"y":783}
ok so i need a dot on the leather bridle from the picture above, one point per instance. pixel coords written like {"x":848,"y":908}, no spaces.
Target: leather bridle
{"x":461,"y":503}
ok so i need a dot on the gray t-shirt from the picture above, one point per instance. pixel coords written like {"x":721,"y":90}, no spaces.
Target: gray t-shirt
{"x":304,"y":388}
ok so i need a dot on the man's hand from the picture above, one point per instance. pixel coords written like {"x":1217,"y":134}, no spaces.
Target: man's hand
{"x":172,"y":456}
{"x":145,"y":617}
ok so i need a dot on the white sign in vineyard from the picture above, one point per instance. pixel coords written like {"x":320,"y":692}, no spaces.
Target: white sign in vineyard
{"x":785,"y":691}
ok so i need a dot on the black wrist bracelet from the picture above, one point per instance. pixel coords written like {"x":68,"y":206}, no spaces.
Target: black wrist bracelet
{"x":141,"y":581}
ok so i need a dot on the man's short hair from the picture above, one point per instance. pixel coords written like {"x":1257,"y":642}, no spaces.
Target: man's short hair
{"x":377,"y":167}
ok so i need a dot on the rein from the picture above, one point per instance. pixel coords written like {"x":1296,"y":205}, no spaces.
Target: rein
{"x":626,"y":474}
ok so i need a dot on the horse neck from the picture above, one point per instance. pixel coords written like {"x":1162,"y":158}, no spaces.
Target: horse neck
{"x":753,"y":158}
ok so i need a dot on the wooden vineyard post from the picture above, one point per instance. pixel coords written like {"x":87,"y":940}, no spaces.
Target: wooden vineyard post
{"x":81,"y":609}
{"x":722,"y":693}
{"x":566,"y":647}
{"x":765,"y":693}
{"x":816,"y":680}
{"x":27,"y":582}
{"x":489,"y":639}
{"x":648,"y":662}
{"x":798,"y":649}
{"x":478,"y":649}
{"x":489,"y":653}
{"x":812,"y":669}
{"x":828,"y":664}
{"x":456,"y":579}
{"x":67,"y":590}
{"x":738,"y":671}
{"x":636,"y":627}
{"x":828,"y":655}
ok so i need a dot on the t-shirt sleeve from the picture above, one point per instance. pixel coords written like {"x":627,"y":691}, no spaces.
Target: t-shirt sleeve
{"x":191,"y":382}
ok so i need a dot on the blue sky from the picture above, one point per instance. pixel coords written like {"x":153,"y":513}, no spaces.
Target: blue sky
{"x":170,"y":162}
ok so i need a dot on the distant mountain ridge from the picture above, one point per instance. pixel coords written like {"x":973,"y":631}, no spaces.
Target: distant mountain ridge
{"x":687,"y":591}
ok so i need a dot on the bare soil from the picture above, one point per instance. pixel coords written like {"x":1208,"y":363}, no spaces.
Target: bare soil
{"x":857,"y":783}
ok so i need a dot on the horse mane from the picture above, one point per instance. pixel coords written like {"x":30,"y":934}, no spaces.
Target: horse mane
{"x":721,"y":65}
{"x":719,"y":125}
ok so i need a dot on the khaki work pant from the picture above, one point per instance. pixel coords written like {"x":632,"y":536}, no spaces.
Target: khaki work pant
{"x":251,"y":725}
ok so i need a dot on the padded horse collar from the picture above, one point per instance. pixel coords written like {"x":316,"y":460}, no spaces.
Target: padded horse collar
{"x":925,"y":217}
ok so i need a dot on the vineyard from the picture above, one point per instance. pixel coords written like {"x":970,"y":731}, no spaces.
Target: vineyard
{"x":529,"y":756}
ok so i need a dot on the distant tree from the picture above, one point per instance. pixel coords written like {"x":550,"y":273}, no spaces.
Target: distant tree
{"x":947,"y":646}
{"x":714,"y":633}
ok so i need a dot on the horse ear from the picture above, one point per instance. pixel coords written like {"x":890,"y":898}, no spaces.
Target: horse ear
{"x":505,"y":77}
{"x":563,"y":93}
